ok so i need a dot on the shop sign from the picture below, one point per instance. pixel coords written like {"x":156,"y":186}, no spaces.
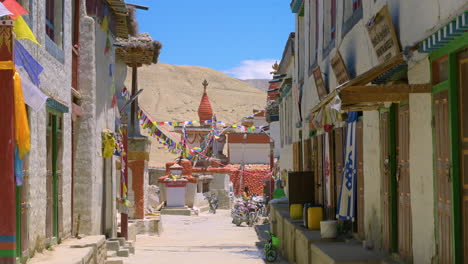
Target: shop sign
{"x":339,"y":68}
{"x":382,"y":35}
{"x":319,"y":83}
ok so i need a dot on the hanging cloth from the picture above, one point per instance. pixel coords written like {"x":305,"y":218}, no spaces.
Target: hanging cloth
{"x":24,"y":59}
{"x":16,"y":10}
{"x":33,"y":96}
{"x":4,"y":11}
{"x":22,"y":133}
{"x":18,"y":168}
{"x":23,"y":31}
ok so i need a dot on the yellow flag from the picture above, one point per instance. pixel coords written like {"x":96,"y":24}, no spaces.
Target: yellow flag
{"x":105,"y":24}
{"x":22,"y":30}
{"x":22,"y":133}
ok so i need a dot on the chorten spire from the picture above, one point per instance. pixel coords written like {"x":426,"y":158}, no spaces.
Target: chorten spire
{"x":205,"y":112}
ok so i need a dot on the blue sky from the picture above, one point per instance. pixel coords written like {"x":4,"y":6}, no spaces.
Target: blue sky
{"x":242,"y":38}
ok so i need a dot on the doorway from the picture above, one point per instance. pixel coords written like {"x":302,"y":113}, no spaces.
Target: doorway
{"x":405,"y":237}
{"x":54,"y":203}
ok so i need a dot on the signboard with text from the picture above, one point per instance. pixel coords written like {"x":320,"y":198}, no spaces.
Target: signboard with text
{"x":319,"y":83}
{"x":382,"y":35}
{"x":339,"y":68}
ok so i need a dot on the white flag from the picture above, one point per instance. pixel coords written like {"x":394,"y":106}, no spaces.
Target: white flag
{"x":4,"y":11}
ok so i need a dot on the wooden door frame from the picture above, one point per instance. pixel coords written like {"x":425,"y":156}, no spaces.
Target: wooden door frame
{"x":392,"y":178}
{"x":55,"y":192}
{"x":451,"y":49}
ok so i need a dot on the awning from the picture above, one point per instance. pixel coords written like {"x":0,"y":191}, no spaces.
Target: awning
{"x":357,"y":94}
{"x":450,"y":31}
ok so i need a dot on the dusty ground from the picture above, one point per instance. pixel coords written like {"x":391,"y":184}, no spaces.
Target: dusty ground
{"x":200,"y":239}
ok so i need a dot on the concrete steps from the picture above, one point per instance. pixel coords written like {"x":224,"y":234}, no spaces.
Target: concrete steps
{"x":118,"y":248}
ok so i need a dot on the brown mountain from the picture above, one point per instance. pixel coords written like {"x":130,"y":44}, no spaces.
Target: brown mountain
{"x":173,"y":93}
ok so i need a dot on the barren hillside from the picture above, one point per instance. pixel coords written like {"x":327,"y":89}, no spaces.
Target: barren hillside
{"x":173,"y":93}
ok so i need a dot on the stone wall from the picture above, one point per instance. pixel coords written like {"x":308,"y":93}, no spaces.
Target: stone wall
{"x":421,"y":166}
{"x":154,"y":174}
{"x":56,"y":83}
{"x":93,"y":190}
{"x":372,"y":179}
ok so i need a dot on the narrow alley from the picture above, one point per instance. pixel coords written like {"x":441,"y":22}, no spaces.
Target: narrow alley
{"x":206,"y":238}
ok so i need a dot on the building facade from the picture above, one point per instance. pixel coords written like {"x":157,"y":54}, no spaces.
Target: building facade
{"x":404,"y":78}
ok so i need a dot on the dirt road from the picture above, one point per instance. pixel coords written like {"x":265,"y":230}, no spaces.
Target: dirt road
{"x":200,"y":239}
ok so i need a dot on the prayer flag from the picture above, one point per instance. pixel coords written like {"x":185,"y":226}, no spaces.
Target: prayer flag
{"x":22,"y":133}
{"x":15,"y":8}
{"x":22,"y":30}
{"x":4,"y":11}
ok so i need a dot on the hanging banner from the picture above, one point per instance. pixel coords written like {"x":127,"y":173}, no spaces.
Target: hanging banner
{"x":382,"y":35}
{"x":347,"y":201}
{"x":327,"y":171}
{"x":339,"y":68}
{"x":319,"y":83}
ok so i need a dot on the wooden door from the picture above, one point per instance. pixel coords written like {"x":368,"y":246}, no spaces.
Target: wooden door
{"x":58,"y":176}
{"x":300,"y":187}
{"x":443,"y":181}
{"x":308,"y":155}
{"x":315,"y":158}
{"x":405,"y":236}
{"x":462,"y":61}
{"x":385,"y":168}
{"x":360,"y":180}
{"x":49,"y":180}
{"x":338,"y":157}
{"x":319,"y":179}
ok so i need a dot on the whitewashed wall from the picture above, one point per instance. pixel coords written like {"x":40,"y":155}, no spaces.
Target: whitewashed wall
{"x":55,"y":82}
{"x":249,"y":153}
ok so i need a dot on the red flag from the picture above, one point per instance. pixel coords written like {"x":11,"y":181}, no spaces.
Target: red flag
{"x":114,"y":101}
{"x":15,"y":8}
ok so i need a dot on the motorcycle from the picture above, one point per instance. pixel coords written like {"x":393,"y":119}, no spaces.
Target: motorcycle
{"x":241,"y":213}
{"x":213,"y":203}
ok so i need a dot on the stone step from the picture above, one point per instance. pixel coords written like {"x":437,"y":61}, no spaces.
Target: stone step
{"x":120,"y":239}
{"x":123,"y":252}
{"x":114,"y":261}
{"x":112,"y":245}
{"x":129,"y":243}
{"x":111,"y":254}
{"x":130,"y":249}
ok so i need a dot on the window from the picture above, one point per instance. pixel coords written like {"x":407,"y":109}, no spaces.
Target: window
{"x":329,"y":26}
{"x":54,"y":21}
{"x":352,"y":14}
{"x":313,"y":33}
{"x":440,"y":70}
{"x":301,"y":47}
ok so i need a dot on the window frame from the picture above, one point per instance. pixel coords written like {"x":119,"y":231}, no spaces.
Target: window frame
{"x":327,"y":47}
{"x":51,"y":46}
{"x":313,"y":62}
{"x":357,"y":14}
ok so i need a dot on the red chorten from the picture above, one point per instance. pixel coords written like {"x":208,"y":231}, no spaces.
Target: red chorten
{"x":205,"y":112}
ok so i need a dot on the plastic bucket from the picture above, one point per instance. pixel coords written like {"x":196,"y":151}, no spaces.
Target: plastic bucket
{"x":295,"y":211}
{"x":315,"y":216}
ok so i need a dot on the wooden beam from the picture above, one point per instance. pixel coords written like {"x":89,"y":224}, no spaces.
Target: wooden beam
{"x":357,"y":98}
{"x":394,"y":88}
{"x":363,"y":79}
{"x":361,"y":107}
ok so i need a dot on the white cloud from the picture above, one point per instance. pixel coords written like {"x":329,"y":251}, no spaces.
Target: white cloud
{"x":252,"y":69}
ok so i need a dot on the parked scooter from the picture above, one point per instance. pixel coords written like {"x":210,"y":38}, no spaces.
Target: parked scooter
{"x":213,"y":203}
{"x":241,"y":214}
